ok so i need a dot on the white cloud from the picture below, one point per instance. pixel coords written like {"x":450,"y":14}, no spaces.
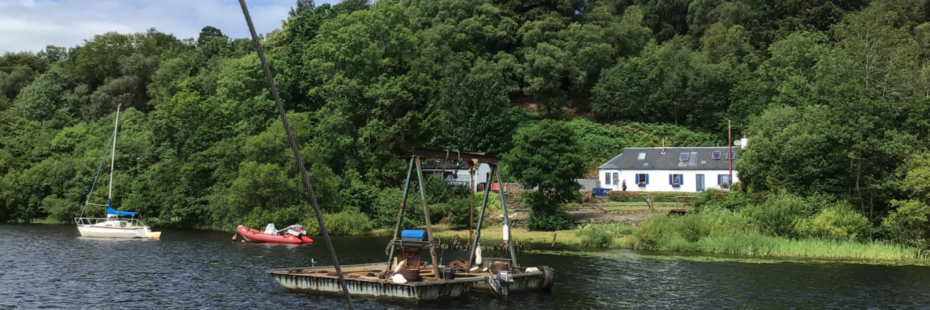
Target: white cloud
{"x":30,"y":25}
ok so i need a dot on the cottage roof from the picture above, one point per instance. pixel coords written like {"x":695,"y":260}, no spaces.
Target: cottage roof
{"x":671,"y":158}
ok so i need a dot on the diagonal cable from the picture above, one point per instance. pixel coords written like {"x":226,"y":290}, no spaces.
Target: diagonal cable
{"x":297,"y":158}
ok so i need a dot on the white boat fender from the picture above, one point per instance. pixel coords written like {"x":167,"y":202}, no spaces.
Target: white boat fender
{"x":473,"y":269}
{"x":506,"y":233}
{"x":398,"y":278}
{"x":478,"y":255}
{"x":531,"y":269}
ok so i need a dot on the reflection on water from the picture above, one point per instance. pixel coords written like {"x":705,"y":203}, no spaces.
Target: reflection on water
{"x":50,"y":266}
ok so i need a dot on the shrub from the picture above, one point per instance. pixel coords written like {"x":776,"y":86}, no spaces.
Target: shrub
{"x":839,"y":222}
{"x":908,"y":223}
{"x":350,"y":222}
{"x":661,"y":232}
{"x":601,"y":235}
{"x":778,"y":215}
{"x":551,"y":221}
{"x":718,"y":199}
{"x":546,"y":214}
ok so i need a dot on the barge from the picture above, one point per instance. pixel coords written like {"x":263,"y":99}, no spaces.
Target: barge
{"x":404,"y":277}
{"x":364,"y":280}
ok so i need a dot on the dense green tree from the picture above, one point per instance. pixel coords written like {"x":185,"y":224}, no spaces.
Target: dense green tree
{"x":209,"y":33}
{"x":545,"y":156}
{"x":43,"y":98}
{"x":367,"y":67}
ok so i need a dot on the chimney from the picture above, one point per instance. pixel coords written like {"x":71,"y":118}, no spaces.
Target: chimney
{"x":742,"y":142}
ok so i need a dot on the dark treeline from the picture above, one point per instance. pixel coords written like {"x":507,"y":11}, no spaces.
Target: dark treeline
{"x":833,"y":95}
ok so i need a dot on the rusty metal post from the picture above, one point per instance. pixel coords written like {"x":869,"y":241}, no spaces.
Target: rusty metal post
{"x":400,"y":214}
{"x":500,"y":192}
{"x":471,"y":209}
{"x":484,"y":205}
{"x":429,"y":227}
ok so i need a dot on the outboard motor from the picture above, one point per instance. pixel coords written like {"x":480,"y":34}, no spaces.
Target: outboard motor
{"x":503,"y":280}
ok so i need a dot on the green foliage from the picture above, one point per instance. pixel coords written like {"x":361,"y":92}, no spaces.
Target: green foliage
{"x":715,"y":199}
{"x":601,"y":235}
{"x":908,"y":223}
{"x":660,"y":232}
{"x":543,"y":156}
{"x":44,"y":97}
{"x":349,"y":222}
{"x":779,"y":215}
{"x":916,"y":173}
{"x":839,"y":222}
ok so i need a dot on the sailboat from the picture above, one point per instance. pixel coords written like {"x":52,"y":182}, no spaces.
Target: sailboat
{"x":117,"y":224}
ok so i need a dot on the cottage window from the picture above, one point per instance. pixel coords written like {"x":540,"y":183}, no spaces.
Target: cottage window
{"x":675,"y":180}
{"x":616,"y":178}
{"x":716,"y":155}
{"x":731,"y":155}
{"x":642,"y":156}
{"x":642,"y":179}
{"x":723,"y":180}
{"x":607,"y":178}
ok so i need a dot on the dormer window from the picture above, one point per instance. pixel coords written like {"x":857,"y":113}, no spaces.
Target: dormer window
{"x":683,"y":159}
{"x":716,"y":155}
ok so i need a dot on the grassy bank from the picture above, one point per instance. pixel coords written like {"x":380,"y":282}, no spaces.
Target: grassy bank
{"x":495,"y":233}
{"x":619,"y":236}
{"x":768,"y":246}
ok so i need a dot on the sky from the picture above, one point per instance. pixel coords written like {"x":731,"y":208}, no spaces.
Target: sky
{"x":30,"y":25}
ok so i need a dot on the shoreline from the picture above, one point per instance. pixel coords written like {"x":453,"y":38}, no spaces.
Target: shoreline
{"x":740,"y":246}
{"x":750,"y":247}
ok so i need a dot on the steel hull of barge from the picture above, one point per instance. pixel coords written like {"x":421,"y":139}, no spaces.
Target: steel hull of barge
{"x":362,"y":281}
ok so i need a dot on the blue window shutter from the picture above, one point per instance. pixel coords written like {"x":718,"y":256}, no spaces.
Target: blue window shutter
{"x":647,"y":179}
{"x":670,"y":181}
{"x":681,"y":179}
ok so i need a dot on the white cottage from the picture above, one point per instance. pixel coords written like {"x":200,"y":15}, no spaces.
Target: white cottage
{"x":669,"y":169}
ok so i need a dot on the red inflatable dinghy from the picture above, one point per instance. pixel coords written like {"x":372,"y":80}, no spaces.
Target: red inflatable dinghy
{"x":255,"y":235}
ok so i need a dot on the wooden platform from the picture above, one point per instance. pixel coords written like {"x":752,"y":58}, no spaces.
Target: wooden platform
{"x":363,"y":280}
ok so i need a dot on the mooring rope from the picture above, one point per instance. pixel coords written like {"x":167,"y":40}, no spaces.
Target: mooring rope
{"x":297,"y":158}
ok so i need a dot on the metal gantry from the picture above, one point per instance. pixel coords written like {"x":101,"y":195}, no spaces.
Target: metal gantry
{"x":475,"y":159}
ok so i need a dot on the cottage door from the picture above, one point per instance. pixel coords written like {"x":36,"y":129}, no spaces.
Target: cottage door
{"x":700,"y":182}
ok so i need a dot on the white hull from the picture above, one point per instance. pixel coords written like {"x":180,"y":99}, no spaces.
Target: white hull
{"x":117,"y":232}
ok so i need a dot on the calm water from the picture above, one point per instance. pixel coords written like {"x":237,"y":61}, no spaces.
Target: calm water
{"x":49,"y":266}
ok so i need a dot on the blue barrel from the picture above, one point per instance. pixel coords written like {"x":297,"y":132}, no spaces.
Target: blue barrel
{"x":600,"y":191}
{"x":413,"y":234}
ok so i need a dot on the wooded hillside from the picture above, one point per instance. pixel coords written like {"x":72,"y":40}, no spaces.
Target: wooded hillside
{"x":834,"y":97}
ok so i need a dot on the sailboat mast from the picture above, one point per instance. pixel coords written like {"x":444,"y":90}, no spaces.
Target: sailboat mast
{"x":113,"y":156}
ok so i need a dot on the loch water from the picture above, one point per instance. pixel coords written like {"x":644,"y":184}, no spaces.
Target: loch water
{"x":51,"y":267}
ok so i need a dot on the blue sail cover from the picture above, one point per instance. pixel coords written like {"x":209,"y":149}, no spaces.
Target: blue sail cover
{"x":120,"y":213}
